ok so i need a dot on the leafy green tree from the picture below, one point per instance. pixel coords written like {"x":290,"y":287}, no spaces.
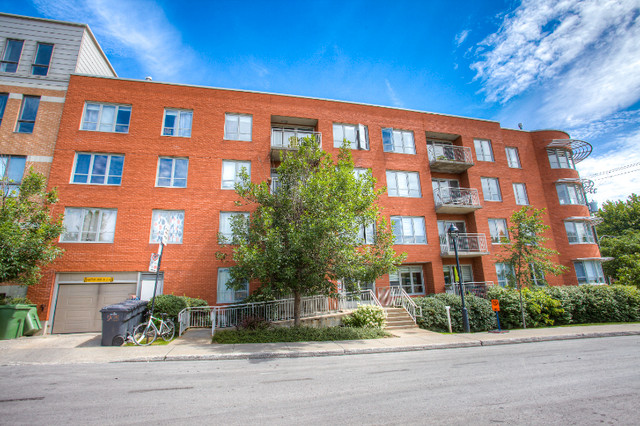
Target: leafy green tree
{"x":619,"y":234}
{"x":306,"y":234}
{"x":27,"y":229}
{"x":527,"y":255}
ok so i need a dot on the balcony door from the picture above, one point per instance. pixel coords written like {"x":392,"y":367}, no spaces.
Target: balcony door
{"x":449,"y":275}
{"x":445,"y":191}
{"x":445,"y":243}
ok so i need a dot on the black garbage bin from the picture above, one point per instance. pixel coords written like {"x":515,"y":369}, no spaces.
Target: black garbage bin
{"x":120,"y":319}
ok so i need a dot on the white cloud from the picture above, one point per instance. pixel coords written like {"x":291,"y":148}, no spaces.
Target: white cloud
{"x":395,"y":99}
{"x":139,"y":30}
{"x":461,"y":37}
{"x":587,"y":50}
{"x":617,"y":185}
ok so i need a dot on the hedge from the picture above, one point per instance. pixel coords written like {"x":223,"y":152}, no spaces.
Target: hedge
{"x":172,"y":305}
{"x":434,"y":316}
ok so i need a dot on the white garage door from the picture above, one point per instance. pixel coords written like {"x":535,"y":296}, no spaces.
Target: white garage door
{"x":78,"y":305}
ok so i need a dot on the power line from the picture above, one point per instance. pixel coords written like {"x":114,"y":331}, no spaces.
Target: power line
{"x":606,"y":172}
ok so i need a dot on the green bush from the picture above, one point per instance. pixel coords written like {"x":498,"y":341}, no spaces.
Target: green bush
{"x":172,"y":305}
{"x":434,"y":315}
{"x":15,"y":301}
{"x":297,"y":334}
{"x":367,"y":316}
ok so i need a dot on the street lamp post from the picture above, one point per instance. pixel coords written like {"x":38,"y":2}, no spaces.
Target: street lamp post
{"x":453,"y":234}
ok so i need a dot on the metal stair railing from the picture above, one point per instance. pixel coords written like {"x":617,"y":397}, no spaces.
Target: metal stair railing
{"x":400,"y":298}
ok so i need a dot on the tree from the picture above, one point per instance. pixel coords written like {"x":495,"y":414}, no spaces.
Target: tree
{"x":306,"y":235}
{"x":27,"y":229}
{"x":619,"y":234}
{"x":526,"y":255}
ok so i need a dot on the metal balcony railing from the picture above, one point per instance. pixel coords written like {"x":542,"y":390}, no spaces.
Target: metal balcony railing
{"x":289,"y":138}
{"x":447,"y":157}
{"x":452,"y":200}
{"x":468,"y":245}
{"x":477,"y":288}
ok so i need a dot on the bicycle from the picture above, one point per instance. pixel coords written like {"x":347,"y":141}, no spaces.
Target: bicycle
{"x":147,"y":332}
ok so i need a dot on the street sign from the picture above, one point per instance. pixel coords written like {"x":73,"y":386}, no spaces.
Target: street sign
{"x":153,"y":264}
{"x":495,"y":305}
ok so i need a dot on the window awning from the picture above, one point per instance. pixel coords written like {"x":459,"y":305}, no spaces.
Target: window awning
{"x":594,"y":220}
{"x":579,"y":149}
{"x":594,"y":259}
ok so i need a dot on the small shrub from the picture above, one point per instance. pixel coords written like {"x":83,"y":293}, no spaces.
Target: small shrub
{"x":366,"y":316}
{"x":253,"y":322}
{"x":168,"y":304}
{"x":15,"y":301}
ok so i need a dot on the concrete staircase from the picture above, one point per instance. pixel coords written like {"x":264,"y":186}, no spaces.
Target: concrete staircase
{"x":398,"y":318}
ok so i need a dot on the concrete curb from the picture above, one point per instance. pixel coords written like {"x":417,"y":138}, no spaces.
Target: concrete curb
{"x":574,"y":336}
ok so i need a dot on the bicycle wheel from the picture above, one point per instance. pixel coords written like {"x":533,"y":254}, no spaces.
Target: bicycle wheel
{"x":167,"y":330}
{"x":144,"y":334}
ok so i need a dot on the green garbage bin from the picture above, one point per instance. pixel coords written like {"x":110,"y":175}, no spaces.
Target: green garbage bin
{"x":12,"y":320}
{"x":32,"y":322}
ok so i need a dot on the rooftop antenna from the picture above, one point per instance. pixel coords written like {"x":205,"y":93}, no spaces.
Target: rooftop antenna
{"x":519,"y":124}
{"x":148,"y":78}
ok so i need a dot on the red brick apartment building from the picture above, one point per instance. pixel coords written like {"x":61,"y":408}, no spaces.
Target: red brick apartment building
{"x":135,"y":156}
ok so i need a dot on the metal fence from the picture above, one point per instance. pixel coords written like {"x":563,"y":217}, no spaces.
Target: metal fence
{"x":477,"y":288}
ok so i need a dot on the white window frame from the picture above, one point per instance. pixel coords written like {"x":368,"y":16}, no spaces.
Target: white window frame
{"x":82,"y":232}
{"x":7,"y":167}
{"x":174,"y":221}
{"x":224,"y":226}
{"x":409,"y":227}
{"x":579,"y":232}
{"x":484,"y":150}
{"x":488,"y":192}
{"x":398,"y":141}
{"x":366,"y":233}
{"x":239,"y":165}
{"x":396,"y":180}
{"x":520,"y":194}
{"x":360,"y":172}
{"x":90,"y":173}
{"x":177,"y":130}
{"x":502,"y":270}
{"x":360,"y":135}
{"x":394,"y":278}
{"x":537,"y":278}
{"x":235,"y":119}
{"x":570,"y":194}
{"x":172,"y":179}
{"x":496,"y":225}
{"x":560,"y":158}
{"x":466,"y":273}
{"x":589,"y":272}
{"x":513,"y":157}
{"x":85,"y":125}
{"x":227,"y":295}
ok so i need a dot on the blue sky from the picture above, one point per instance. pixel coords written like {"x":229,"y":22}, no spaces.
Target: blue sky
{"x":562,"y":64}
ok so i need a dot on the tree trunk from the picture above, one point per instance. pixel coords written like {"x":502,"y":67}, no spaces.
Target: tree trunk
{"x":524,"y":323}
{"x":297,"y":304}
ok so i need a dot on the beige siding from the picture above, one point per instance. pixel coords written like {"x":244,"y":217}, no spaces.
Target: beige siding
{"x":90,"y":60}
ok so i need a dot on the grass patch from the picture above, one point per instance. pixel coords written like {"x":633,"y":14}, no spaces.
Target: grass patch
{"x":297,"y":334}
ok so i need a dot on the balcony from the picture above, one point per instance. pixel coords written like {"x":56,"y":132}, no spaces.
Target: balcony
{"x":446,"y":158}
{"x":469,"y":245}
{"x":456,"y":200}
{"x":287,"y":139}
{"x":477,"y":288}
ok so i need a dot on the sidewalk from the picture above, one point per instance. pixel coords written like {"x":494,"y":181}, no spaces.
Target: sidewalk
{"x":195,"y":345}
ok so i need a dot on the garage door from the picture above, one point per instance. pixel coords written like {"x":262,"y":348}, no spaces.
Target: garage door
{"x":78,"y":305}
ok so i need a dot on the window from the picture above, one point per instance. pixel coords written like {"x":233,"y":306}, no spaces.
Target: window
{"x":3,"y":104}
{"x":366,"y":233}
{"x":106,"y":118}
{"x":505,"y":274}
{"x":400,"y":141}
{"x":43,"y":59}
{"x":173,"y":220}
{"x":579,"y":233}
{"x":520,"y":192}
{"x":227,"y":295}
{"x":359,"y":172}
{"x":483,"y":150}
{"x":177,"y":123}
{"x":11,"y":55}
{"x":98,"y":169}
{"x":172,"y":172}
{"x":357,"y":136}
{"x":11,"y":172}
{"x":403,"y":184}
{"x":537,"y":277}
{"x":237,"y":127}
{"x":499,"y":231}
{"x":513,"y":159}
{"x":275,"y":181}
{"x":560,"y":159}
{"x":446,"y":191}
{"x":491,"y":189}
{"x":225,"y":230}
{"x":408,"y":230}
{"x":589,"y":272}
{"x":346,"y":284}
{"x":231,"y":172}
{"x":570,"y":193}
{"x":28,"y":112}
{"x":409,"y":278}
{"x":450,"y":277}
{"x":89,"y":225}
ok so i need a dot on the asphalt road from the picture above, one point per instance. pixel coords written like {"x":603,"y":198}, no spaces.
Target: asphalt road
{"x":582,"y":382}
